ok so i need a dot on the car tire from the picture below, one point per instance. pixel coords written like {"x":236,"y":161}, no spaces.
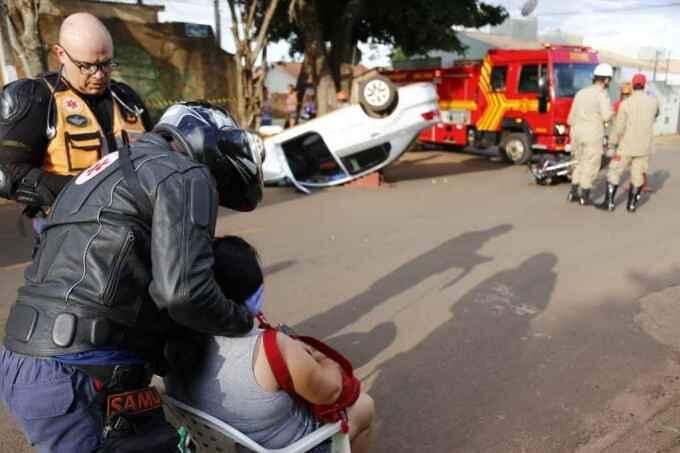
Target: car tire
{"x":378,"y":96}
{"x":515,"y":147}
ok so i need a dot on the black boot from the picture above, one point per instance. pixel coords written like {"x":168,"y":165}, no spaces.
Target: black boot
{"x":584,"y":199}
{"x":633,"y":198}
{"x":572,"y":196}
{"x":608,"y":203}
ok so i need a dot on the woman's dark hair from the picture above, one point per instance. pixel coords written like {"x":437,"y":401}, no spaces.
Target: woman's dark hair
{"x":237,"y":268}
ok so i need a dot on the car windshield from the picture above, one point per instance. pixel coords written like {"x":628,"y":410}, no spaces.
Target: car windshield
{"x":570,"y":77}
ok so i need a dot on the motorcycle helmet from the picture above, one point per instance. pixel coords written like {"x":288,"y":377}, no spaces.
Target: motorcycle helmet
{"x":209,"y":134}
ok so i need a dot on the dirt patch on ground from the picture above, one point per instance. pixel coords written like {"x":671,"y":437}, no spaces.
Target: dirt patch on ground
{"x":660,"y":316}
{"x":646,"y":417}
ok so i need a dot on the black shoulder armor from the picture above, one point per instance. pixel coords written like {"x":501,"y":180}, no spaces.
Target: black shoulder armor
{"x":16,"y":100}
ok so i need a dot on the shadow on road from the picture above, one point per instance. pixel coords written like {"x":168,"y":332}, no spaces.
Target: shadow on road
{"x":451,"y":165}
{"x":656,"y":182}
{"x":362,"y":347}
{"x":454,"y":377}
{"x":460,"y":252}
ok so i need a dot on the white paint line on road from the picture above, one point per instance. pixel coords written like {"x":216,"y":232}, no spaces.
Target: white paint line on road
{"x":15,"y":266}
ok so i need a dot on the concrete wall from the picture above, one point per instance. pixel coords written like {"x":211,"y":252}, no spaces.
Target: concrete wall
{"x":476,"y":50}
{"x":143,"y":14}
{"x":278,"y":79}
{"x":668,"y":121}
{"x":516,"y":28}
{"x":561,"y":37}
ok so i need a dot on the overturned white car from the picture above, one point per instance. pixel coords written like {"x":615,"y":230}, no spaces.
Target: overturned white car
{"x":353,"y":141}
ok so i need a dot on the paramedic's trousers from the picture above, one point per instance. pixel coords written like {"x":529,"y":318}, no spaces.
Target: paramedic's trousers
{"x":50,"y":402}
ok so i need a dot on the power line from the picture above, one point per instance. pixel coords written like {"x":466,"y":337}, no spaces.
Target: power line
{"x":610,"y":10}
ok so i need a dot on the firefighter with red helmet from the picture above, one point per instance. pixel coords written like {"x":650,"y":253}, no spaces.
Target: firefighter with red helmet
{"x":633,"y":132}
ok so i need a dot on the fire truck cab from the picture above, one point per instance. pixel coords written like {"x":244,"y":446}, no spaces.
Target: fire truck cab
{"x":515,"y":100}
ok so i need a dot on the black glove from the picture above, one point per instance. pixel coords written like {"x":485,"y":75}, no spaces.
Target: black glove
{"x":32,"y":192}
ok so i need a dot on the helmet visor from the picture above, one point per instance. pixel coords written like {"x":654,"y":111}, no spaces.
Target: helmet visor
{"x":240,"y":168}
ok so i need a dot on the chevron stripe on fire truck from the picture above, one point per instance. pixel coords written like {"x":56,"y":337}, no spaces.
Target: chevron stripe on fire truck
{"x":453,"y":105}
{"x":497,"y":104}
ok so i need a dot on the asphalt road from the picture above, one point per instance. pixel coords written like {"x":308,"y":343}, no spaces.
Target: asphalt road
{"x":484,"y":313}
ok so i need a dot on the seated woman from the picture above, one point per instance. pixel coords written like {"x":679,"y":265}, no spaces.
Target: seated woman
{"x":235,"y":383}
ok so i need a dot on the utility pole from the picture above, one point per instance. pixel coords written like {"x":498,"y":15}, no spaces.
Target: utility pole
{"x":218,"y":23}
{"x":657,"y":53}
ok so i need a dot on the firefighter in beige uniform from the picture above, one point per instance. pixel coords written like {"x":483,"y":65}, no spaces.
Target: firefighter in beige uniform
{"x":589,"y":113}
{"x":633,"y":132}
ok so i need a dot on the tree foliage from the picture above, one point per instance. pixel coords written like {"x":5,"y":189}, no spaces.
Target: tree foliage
{"x":417,"y":26}
{"x":327,"y":31}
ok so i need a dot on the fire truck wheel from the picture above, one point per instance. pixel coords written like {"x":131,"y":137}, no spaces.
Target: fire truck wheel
{"x":516,"y":148}
{"x":378,"y":96}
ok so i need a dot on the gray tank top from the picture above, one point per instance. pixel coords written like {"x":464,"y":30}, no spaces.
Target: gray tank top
{"x":226,"y":388}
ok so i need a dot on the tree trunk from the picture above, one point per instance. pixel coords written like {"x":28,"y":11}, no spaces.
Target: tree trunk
{"x":24,"y":33}
{"x":8,"y":72}
{"x":344,"y":44}
{"x":316,"y":57}
{"x":250,"y":41}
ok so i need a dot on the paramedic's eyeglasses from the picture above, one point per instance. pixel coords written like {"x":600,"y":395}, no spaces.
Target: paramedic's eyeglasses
{"x":87,"y":68}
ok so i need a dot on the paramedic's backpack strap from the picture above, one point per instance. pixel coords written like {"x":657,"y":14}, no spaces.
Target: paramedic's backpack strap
{"x":278,"y":366}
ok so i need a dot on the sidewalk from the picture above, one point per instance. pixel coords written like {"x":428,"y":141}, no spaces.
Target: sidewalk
{"x":667,"y":140}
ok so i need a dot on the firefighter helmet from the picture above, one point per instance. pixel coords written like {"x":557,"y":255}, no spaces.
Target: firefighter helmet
{"x":603,"y":70}
{"x":639,"y":81}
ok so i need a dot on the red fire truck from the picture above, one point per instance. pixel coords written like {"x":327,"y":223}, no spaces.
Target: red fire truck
{"x":514,"y":100}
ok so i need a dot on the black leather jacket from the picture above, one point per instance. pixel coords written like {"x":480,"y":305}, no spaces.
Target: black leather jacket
{"x":116,"y":270}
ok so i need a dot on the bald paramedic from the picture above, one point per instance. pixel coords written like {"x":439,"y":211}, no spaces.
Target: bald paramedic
{"x":54,"y":126}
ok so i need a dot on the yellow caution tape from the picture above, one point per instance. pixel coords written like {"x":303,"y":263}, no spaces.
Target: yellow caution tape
{"x":161,"y":103}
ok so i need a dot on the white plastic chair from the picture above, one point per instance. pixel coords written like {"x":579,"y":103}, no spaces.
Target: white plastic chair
{"x":214,"y":436}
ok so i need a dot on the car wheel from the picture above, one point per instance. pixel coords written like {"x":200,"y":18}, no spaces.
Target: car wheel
{"x":378,"y":96}
{"x":515,"y":147}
